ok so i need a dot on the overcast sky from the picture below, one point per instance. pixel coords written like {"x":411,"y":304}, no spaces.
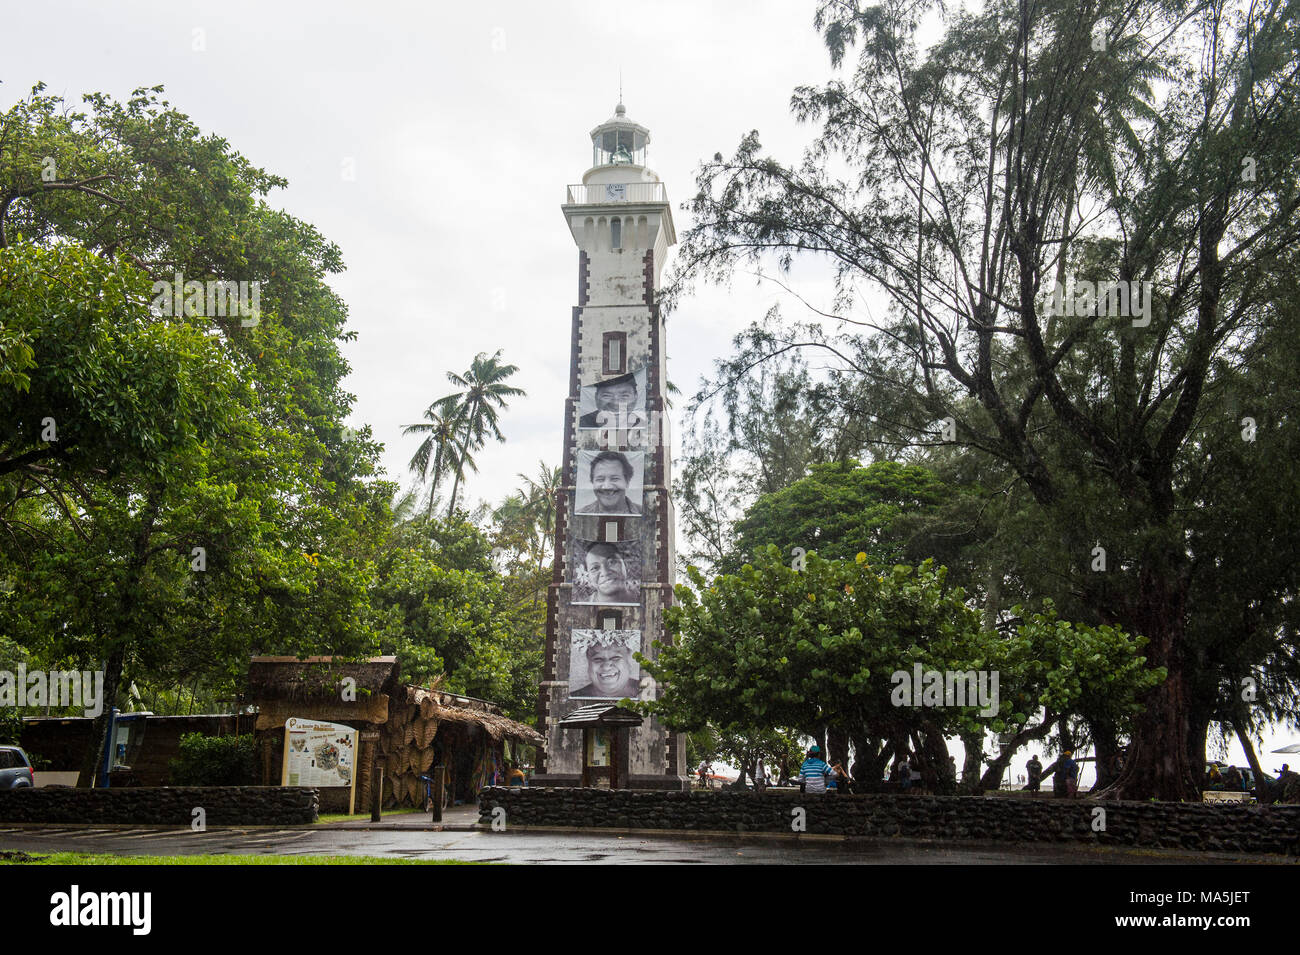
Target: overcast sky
{"x":460,"y":125}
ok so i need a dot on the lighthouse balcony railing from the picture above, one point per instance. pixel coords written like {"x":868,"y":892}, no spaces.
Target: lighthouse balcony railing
{"x":602,"y":192}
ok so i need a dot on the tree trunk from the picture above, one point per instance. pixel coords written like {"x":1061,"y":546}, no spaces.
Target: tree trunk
{"x":1107,"y":749}
{"x":437,"y":473}
{"x":90,"y":760}
{"x":1262,"y":793}
{"x":1199,"y":729}
{"x":970,"y":767}
{"x":837,"y":746}
{"x":872,"y":763}
{"x":819,"y":737}
{"x":455,"y":486}
{"x":992,"y":778}
{"x":937,"y":770}
{"x":1157,"y":765}
{"x":119,"y":640}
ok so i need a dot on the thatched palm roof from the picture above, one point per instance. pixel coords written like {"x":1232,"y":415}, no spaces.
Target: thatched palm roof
{"x":282,"y":685}
{"x":456,"y":709}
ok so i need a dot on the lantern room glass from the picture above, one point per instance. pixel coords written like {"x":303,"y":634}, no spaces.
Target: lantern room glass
{"x":618,"y":147}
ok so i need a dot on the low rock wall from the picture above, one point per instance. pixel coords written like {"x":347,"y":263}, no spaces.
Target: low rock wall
{"x":163,"y":806}
{"x":1195,"y":826}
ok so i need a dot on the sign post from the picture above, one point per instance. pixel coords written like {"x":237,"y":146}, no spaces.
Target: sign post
{"x":319,"y":754}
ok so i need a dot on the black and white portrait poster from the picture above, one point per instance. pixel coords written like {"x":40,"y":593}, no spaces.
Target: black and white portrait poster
{"x":610,"y":482}
{"x":606,"y":572}
{"x":601,"y":666}
{"x":614,"y":402}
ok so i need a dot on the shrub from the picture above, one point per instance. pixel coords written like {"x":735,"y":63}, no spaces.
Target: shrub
{"x":214,"y":761}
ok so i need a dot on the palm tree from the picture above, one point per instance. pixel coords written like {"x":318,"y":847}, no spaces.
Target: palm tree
{"x":485,"y":394}
{"x":539,"y":499}
{"x":434,"y":457}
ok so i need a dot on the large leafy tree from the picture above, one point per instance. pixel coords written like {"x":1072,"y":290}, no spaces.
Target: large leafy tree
{"x":775,"y":647}
{"x":840,"y":510}
{"x":1124,"y":140}
{"x":440,"y":605}
{"x":174,"y":431}
{"x":772,"y":646}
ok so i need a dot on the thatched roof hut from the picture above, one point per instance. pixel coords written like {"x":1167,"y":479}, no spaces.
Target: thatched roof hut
{"x":405,"y":727}
{"x":450,"y":708}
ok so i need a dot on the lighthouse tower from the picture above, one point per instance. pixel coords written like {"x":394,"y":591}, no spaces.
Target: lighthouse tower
{"x":614,"y":552}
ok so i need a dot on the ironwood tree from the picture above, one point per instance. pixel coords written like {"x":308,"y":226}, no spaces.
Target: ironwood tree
{"x":1135,"y":145}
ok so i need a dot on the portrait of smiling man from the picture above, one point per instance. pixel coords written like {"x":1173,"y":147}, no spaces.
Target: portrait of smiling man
{"x":609,"y":479}
{"x":608,"y":573}
{"x":614,"y":398}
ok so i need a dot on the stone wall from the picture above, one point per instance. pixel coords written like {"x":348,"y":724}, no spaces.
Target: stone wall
{"x":223,"y":806}
{"x":1196,"y":826}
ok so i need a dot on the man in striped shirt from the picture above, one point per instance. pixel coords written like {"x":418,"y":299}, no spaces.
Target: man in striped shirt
{"x":814,"y":771}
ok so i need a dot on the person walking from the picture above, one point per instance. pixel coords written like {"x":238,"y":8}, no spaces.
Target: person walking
{"x":813,"y":772}
{"x":913,"y":772}
{"x":760,"y":776}
{"x":901,"y":776}
{"x":1071,"y":771}
{"x":1035,"y":770}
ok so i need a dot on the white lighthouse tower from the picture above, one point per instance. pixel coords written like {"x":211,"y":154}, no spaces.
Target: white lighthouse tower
{"x":614,"y":550}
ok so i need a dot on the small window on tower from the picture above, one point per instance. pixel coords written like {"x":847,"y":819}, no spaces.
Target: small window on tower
{"x":616,"y":234}
{"x":610,"y":619}
{"x":614,"y":353}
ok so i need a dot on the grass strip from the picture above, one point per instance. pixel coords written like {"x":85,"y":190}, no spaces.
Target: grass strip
{"x":86,"y":858}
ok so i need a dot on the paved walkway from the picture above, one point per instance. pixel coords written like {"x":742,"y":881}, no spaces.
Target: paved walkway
{"x":535,"y":846}
{"x":454,"y":819}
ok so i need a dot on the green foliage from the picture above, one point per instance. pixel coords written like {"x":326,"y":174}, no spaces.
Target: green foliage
{"x":1063,"y":668}
{"x":775,"y":647}
{"x":840,"y":510}
{"x":214,"y":761}
{"x":174,"y":432}
{"x":771,"y":647}
{"x":962,"y":175}
{"x":440,"y":606}
{"x":11,"y":725}
{"x":193,"y":431}
{"x":473,"y":416}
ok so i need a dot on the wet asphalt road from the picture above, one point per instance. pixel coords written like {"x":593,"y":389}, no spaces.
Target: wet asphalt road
{"x":564,"y":848}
